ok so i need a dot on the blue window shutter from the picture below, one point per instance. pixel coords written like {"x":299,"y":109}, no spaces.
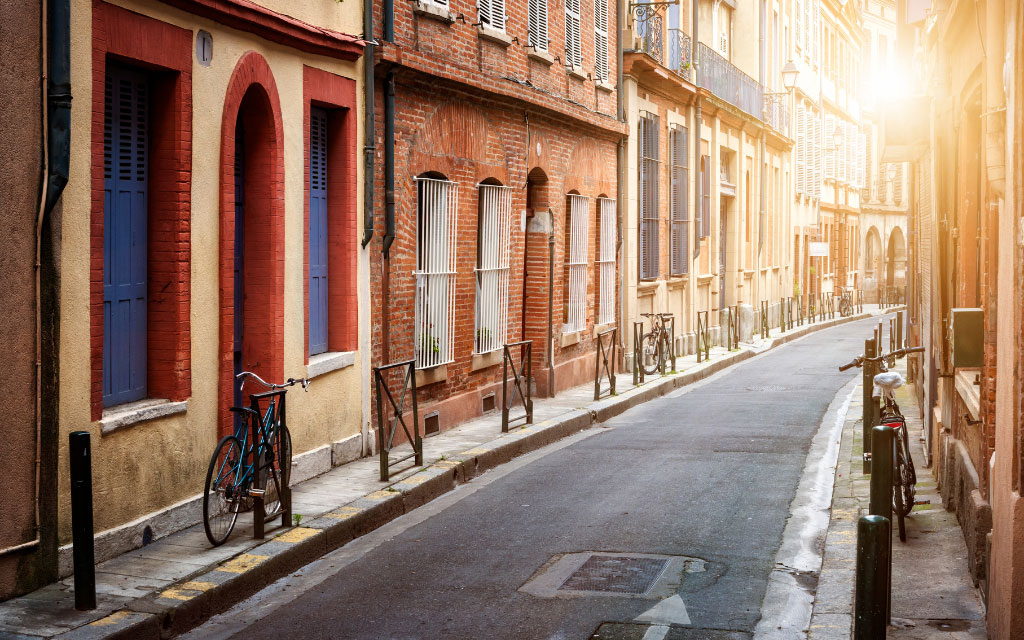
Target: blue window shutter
{"x":317,"y":231}
{"x":126,"y":160}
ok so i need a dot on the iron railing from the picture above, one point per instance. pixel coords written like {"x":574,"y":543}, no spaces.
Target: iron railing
{"x":776,"y":112}
{"x":733,"y":333}
{"x":638,"y":352}
{"x":386,"y":437}
{"x":522,"y":376}
{"x":726,"y":81}
{"x":680,"y":53}
{"x":649,"y":27}
{"x":703,"y":337}
{"x":604,"y":357}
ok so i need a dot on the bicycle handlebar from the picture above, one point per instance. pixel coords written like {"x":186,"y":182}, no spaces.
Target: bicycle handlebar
{"x":899,"y":353}
{"x":245,"y":375}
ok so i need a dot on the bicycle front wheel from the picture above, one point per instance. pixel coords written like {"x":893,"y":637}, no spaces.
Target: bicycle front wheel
{"x":650,"y":353}
{"x":276,"y":476}
{"x":223,"y":493}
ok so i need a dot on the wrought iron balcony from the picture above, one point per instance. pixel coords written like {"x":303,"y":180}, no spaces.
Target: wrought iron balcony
{"x":649,"y":30}
{"x":776,"y":113}
{"x":680,"y":57}
{"x":721,"y":78}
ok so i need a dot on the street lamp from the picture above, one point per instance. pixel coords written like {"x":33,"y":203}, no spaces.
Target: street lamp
{"x":837,"y":138}
{"x":789,"y":75}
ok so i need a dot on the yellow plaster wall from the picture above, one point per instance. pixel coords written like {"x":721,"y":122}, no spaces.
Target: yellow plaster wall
{"x":150,"y":466}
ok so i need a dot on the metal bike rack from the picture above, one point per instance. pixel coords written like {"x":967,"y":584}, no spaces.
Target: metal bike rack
{"x":259,"y":514}
{"x":386,"y":438}
{"x":522,"y":374}
{"x":671,"y":342}
{"x":703,"y":336}
{"x":764,"y":320}
{"x":604,"y":357}
{"x":734,"y":327}
{"x":638,"y":334}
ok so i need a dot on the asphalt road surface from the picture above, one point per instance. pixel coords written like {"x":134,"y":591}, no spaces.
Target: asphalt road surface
{"x":686,"y":495}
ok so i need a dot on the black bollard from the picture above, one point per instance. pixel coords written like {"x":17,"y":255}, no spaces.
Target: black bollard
{"x":881,"y":472}
{"x":80,"y":454}
{"x":872,"y":578}
{"x":867,"y":417}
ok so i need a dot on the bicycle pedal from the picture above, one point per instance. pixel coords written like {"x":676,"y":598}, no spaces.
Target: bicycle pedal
{"x":917,"y":502}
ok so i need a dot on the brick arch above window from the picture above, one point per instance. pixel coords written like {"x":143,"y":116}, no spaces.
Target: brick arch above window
{"x":457,"y":132}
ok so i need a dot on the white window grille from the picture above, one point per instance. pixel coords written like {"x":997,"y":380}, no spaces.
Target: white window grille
{"x":649,"y":223}
{"x":492,"y":268}
{"x":538,"y":24}
{"x":606,"y":261}
{"x":817,"y":151}
{"x":680,"y":205}
{"x":573,"y":47}
{"x":436,"y":203}
{"x":601,"y":40}
{"x":576,"y":309}
{"x":492,"y":13}
{"x":801,"y":150}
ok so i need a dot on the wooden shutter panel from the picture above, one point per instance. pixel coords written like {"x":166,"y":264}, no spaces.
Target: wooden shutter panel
{"x":706,"y":212}
{"x":678,"y":236}
{"x":573,"y":49}
{"x":601,"y":39}
{"x":126,"y":166}
{"x":483,"y":8}
{"x":538,"y":27}
{"x":317,"y":231}
{"x":801,"y":139}
{"x":830,"y":162}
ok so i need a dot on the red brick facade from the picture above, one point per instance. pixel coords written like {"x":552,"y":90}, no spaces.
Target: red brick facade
{"x":470,"y":107}
{"x":167,"y":51}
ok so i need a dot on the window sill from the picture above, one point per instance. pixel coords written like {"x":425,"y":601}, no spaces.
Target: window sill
{"x":969,"y":392}
{"x":486,"y":360}
{"x":576,"y":72}
{"x":677,"y":282}
{"x":569,"y":339}
{"x":431,"y":375}
{"x":602,"y":327}
{"x":702,"y":280}
{"x":645,"y":287}
{"x":496,"y":36}
{"x":126,"y":415}
{"x":323,"y":363}
{"x":543,"y":57}
{"x":428,"y":10}
{"x":605,"y":86}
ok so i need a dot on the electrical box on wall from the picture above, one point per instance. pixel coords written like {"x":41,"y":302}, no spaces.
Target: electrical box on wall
{"x":968,"y":337}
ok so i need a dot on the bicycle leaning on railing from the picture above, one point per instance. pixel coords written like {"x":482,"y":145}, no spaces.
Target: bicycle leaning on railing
{"x":845,"y":303}
{"x":655,"y":345}
{"x":904,"y":477}
{"x":254,"y":461}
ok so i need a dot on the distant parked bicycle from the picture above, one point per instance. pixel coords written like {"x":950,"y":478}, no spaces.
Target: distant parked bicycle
{"x":240,"y":470}
{"x":845,"y":303}
{"x":904,"y":477}
{"x":655,"y":345}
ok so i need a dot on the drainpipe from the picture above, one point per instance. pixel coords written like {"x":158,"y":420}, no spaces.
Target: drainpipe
{"x":389,"y":206}
{"x":620,"y":189}
{"x":369,"y":135}
{"x":764,"y":178}
{"x":698,"y":130}
{"x":551,"y":302}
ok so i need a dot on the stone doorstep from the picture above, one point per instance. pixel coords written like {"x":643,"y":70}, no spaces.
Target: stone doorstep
{"x":184,"y":604}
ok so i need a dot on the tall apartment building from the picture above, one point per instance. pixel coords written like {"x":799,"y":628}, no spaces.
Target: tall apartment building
{"x":707,"y":165}
{"x":496,"y":146}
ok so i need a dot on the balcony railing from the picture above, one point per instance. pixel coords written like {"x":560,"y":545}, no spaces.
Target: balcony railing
{"x":776,"y":113}
{"x":649,"y":27}
{"x":680,"y":54}
{"x":721,"y":78}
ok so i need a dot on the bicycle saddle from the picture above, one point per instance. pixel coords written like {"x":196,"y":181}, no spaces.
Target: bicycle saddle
{"x":888,"y":381}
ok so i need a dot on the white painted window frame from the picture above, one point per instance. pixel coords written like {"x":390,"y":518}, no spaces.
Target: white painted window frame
{"x":492,"y":270}
{"x":579,"y":223}
{"x":606,"y":261}
{"x":436,"y":259}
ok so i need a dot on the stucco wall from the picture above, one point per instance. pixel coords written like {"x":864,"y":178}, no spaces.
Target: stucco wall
{"x":149,"y":466}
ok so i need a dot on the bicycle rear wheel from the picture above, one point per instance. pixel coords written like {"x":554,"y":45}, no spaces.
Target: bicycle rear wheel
{"x":223,"y":492}
{"x":650,"y":353}
{"x":278,"y":475}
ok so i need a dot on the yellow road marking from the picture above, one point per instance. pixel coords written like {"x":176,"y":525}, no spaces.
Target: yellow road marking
{"x":343,"y":513}
{"x":242,"y":563}
{"x":297,"y":534}
{"x":193,"y":588}
{"x":113,"y":618}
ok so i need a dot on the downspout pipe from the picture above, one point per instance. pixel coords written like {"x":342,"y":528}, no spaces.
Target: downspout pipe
{"x":389,"y":210}
{"x":620,"y":187}
{"x":764,"y":157}
{"x":697,"y":131}
{"x":369,"y":134}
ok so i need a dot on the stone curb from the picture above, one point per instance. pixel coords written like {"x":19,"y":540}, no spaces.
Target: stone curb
{"x":187,"y":604}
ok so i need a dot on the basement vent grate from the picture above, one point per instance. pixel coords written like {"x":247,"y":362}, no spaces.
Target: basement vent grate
{"x":487,"y":403}
{"x":616,"y":574}
{"x":432,"y":423}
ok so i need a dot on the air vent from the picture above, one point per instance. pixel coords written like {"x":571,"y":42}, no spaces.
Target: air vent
{"x":432,"y":423}
{"x":487,"y":403}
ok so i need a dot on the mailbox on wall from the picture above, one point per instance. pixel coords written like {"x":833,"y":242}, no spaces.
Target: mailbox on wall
{"x":968,"y":337}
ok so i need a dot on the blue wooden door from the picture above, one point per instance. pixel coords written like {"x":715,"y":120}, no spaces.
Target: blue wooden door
{"x":239,"y":259}
{"x":125,"y":156}
{"x":317,"y":231}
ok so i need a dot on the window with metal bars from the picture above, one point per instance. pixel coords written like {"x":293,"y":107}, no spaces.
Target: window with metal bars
{"x":577,"y":224}
{"x":493,"y":251}
{"x":601,"y":40}
{"x":436,"y":205}
{"x":680,"y":221}
{"x":573,"y":45}
{"x":125,"y":240}
{"x":492,"y":13}
{"x":649,"y":169}
{"x":537,"y":29}
{"x":606,"y":261}
{"x":317,"y":231}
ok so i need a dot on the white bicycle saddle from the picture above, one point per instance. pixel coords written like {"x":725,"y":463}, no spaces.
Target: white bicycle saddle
{"x":887,"y":381}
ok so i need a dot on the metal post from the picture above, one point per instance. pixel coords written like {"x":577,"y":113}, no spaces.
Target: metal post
{"x":881,"y":472}
{"x":873,"y":557}
{"x":259,"y":508}
{"x":284,"y":491}
{"x":867,"y":417}
{"x":80,"y":455}
{"x":899,"y":330}
{"x":504,"y":388}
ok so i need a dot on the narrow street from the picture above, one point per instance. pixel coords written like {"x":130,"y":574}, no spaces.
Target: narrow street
{"x":707,"y":473}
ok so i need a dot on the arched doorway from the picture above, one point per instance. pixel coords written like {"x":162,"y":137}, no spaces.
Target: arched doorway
{"x":872,"y":259}
{"x":252,"y":232}
{"x":896,"y":259}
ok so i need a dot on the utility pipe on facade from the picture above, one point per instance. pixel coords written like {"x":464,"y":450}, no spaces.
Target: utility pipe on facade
{"x":620,"y":159}
{"x":761,"y":217}
{"x":369,"y":135}
{"x":389,"y":210}
{"x":698,"y":130}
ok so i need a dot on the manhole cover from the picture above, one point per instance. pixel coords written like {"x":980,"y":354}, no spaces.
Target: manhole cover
{"x":616,"y":574}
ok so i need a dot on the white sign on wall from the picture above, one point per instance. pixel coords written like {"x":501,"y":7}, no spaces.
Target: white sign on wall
{"x":817,"y":249}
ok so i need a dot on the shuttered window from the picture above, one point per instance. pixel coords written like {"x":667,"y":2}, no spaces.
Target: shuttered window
{"x":492,"y":268}
{"x":649,"y":224}
{"x":317,"y":231}
{"x":816,"y":154}
{"x":576,"y":307}
{"x":538,"y":27}
{"x":573,"y":47}
{"x":492,"y":13}
{"x":679,"y":232}
{"x":861,"y":160}
{"x":801,"y":142}
{"x":126,"y":166}
{"x":606,"y":261}
{"x":830,"y":156}
{"x":436,"y":206}
{"x":705,"y":212}
{"x":601,"y":40}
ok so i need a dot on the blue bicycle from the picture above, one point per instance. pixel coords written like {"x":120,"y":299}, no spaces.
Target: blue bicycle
{"x":254,"y":461}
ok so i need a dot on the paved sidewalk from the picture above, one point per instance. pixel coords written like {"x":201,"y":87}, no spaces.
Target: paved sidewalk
{"x":178,"y":581}
{"x":932,"y":592}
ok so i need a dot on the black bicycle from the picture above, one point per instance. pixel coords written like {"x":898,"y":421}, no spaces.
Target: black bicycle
{"x":845,"y":303}
{"x":655,"y":345}
{"x":904,"y":477}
